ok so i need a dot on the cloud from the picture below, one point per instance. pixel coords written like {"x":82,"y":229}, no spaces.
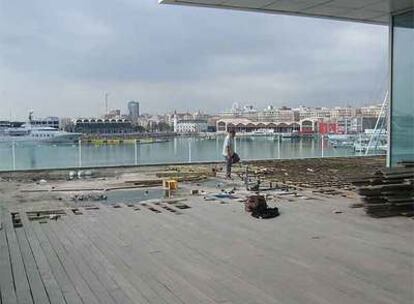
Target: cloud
{"x":68,"y":53}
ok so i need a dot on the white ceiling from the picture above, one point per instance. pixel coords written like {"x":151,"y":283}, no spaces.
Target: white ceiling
{"x":371,"y":11}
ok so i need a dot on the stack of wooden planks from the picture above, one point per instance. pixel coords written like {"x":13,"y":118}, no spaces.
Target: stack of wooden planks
{"x":389,"y":192}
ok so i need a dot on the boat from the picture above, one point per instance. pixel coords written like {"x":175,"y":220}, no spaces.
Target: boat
{"x":342,"y":144}
{"x":29,"y":133}
{"x":289,"y":135}
{"x":334,"y":138}
{"x":263,"y":132}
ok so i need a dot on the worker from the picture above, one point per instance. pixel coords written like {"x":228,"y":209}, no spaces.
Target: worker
{"x":229,"y":154}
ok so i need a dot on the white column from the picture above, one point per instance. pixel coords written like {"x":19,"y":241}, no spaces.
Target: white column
{"x":323,"y":146}
{"x":80,"y":153}
{"x":189,"y":150}
{"x":136,"y":151}
{"x":278,"y":145}
{"x":14,"y":156}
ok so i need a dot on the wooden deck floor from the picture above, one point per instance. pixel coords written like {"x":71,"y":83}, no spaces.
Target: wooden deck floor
{"x":210,"y":253}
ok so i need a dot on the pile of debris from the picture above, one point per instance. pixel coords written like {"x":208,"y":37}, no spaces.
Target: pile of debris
{"x":257,"y":206}
{"x":329,"y":176}
{"x":389,"y":192}
{"x":93,"y":197}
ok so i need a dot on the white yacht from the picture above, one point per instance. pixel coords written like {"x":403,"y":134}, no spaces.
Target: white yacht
{"x":29,"y":133}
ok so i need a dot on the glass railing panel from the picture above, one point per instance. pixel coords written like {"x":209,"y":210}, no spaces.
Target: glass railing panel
{"x":175,"y":150}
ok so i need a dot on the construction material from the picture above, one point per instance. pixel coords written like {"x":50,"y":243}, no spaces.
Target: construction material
{"x":388,"y":192}
{"x":170,"y":184}
{"x":328,"y":177}
{"x":39,"y":215}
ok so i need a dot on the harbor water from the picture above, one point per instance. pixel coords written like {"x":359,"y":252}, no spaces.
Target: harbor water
{"x":19,"y":156}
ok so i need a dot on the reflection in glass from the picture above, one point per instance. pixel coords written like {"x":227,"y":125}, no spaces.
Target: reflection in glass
{"x":402,"y":108}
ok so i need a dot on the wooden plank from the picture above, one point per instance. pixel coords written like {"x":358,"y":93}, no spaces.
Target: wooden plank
{"x":119,"y":257}
{"x":143,"y":269}
{"x":67,"y":266}
{"x":355,"y":277}
{"x":81,"y":249}
{"x":64,"y":247}
{"x":50,"y":283}
{"x":204,"y":275}
{"x":21,"y":283}
{"x":144,"y":259}
{"x":227,"y":296}
{"x":218,"y":224}
{"x":97,"y":253}
{"x":59,"y":273}
{"x":7,"y":291}
{"x":37,"y":287}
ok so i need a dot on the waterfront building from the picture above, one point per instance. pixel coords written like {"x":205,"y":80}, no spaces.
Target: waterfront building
{"x":398,"y":15}
{"x":309,"y":126}
{"x":362,"y":123}
{"x":190,"y":126}
{"x":133,"y":110}
{"x":344,"y":125}
{"x":244,"y":125}
{"x":212,"y":123}
{"x":178,"y":116}
{"x":102,"y":126}
{"x":328,"y":127}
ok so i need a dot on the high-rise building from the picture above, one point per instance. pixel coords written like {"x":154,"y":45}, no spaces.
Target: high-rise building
{"x":133,"y":110}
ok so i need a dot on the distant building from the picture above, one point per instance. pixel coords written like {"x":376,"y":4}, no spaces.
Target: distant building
{"x":66,"y":124}
{"x":239,"y":111}
{"x":360,"y":124}
{"x":113,"y":114}
{"x":190,"y":126}
{"x":371,"y":111}
{"x":52,"y":122}
{"x":244,"y":125}
{"x":271,"y":114}
{"x":212,"y":123}
{"x":344,"y":125}
{"x":314,"y":113}
{"x":309,"y":126}
{"x":133,"y":110}
{"x":328,"y":127}
{"x":343,"y":112}
{"x":103,"y":126}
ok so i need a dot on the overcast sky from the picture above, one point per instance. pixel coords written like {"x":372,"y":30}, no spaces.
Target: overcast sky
{"x":60,"y":57}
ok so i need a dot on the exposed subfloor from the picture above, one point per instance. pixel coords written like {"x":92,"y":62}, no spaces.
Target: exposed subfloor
{"x":209,"y":253}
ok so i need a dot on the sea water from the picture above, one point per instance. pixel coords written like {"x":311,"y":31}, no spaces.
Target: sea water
{"x":176,"y":150}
